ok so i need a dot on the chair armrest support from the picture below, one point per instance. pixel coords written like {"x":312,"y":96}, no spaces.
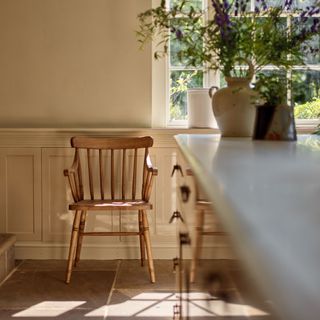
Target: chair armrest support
{"x":151,"y":172}
{"x":150,"y":168}
{"x":73,"y":178}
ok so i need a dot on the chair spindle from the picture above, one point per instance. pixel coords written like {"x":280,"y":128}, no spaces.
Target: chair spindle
{"x":79,"y":175}
{"x":123,"y":174}
{"x":112,"y":174}
{"x":90,"y":174}
{"x":144,"y":170}
{"x":101,"y":174}
{"x":134,"y":178}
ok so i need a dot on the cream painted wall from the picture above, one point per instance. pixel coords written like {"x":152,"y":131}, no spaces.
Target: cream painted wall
{"x":73,"y":63}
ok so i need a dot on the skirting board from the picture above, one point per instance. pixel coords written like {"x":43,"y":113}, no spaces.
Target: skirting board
{"x":49,"y":251}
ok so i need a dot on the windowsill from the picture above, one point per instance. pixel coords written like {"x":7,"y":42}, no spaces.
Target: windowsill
{"x":302,"y":126}
{"x":306,"y":126}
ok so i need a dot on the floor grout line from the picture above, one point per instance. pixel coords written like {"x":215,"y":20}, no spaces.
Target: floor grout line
{"x":11,"y":273}
{"x":114,"y":282}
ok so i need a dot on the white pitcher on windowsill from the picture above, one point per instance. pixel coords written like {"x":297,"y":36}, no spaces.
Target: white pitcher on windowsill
{"x":199,"y":109}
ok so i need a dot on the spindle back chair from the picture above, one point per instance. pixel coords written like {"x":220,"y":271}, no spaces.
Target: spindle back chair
{"x":110,"y":173}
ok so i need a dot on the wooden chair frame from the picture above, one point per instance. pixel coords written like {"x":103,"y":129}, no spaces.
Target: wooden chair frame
{"x":81,"y":205}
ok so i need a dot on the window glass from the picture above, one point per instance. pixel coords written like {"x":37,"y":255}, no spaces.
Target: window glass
{"x":311,"y":58}
{"x":305,"y":81}
{"x":180,"y":81}
{"x":306,"y":93}
{"x":175,"y":46}
{"x":182,"y":78}
{"x":197,"y":4}
{"x":297,"y":4}
{"x":302,"y":4}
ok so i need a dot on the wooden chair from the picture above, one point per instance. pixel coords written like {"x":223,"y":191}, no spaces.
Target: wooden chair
{"x":110,"y":180}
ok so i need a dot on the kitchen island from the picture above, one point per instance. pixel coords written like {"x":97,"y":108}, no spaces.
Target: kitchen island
{"x":267,"y":196}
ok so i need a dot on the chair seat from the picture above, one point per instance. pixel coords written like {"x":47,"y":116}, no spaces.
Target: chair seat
{"x":110,"y":205}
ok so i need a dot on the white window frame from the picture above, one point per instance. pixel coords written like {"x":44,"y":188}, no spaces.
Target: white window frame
{"x":161,"y":83}
{"x":210,"y":79}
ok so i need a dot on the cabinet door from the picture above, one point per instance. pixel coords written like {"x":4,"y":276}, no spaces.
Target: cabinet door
{"x":20,"y":192}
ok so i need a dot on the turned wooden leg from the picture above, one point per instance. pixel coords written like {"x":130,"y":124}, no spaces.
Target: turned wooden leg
{"x":146,"y":235}
{"x":73,"y":245}
{"x":80,"y":236}
{"x":198,"y":243}
{"x":142,"y":245}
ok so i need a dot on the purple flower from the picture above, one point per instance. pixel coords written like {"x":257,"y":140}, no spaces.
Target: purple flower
{"x":288,"y":4}
{"x":226,"y":4}
{"x":315,"y":10}
{"x":264,"y":5}
{"x":179,"y":34}
{"x":315,"y":25}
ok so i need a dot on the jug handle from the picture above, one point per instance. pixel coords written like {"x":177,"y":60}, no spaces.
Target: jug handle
{"x":211,"y":89}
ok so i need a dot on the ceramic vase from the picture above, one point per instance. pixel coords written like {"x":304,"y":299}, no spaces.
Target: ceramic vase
{"x":234,"y":107}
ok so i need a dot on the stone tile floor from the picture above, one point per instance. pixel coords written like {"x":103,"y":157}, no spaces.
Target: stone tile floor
{"x":115,"y":289}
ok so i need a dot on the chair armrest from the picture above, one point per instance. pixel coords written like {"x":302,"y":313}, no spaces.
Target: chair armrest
{"x":147,"y":185}
{"x":73,"y":169}
{"x":73,"y":178}
{"x":150,"y":168}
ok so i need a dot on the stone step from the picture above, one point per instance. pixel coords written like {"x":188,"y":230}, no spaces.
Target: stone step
{"x":7,"y":260}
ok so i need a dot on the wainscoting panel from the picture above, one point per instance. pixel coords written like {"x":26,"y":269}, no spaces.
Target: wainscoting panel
{"x":56,"y":218}
{"x":20,"y":199}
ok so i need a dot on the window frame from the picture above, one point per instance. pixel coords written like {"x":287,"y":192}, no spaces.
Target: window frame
{"x":161,"y":88}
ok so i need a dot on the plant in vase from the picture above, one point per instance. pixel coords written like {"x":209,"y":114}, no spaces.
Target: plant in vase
{"x":275,"y":118}
{"x":237,"y":41}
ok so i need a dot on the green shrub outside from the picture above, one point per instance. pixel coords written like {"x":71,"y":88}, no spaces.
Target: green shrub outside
{"x":308,"y":110}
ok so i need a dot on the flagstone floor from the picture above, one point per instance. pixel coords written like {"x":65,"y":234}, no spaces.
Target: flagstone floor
{"x":114,"y":289}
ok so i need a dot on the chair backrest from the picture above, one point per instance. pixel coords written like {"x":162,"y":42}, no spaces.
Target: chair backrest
{"x":111,"y":167}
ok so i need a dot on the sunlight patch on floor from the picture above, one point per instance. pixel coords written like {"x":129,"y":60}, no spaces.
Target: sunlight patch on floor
{"x":148,"y":305}
{"x":49,"y":309}
{"x":160,"y":304}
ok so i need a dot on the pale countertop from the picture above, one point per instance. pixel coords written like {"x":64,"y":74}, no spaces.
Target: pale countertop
{"x":267,"y":195}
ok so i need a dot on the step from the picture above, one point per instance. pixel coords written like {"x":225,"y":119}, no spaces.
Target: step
{"x":7,"y":260}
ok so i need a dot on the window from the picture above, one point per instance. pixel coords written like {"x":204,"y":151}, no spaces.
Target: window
{"x":304,"y":93}
{"x":181,"y":77}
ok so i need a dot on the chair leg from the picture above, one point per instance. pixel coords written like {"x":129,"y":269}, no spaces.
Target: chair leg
{"x":73,"y":245}
{"x":142,"y":244}
{"x":146,"y":235}
{"x":198,"y":243}
{"x":80,"y":237}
